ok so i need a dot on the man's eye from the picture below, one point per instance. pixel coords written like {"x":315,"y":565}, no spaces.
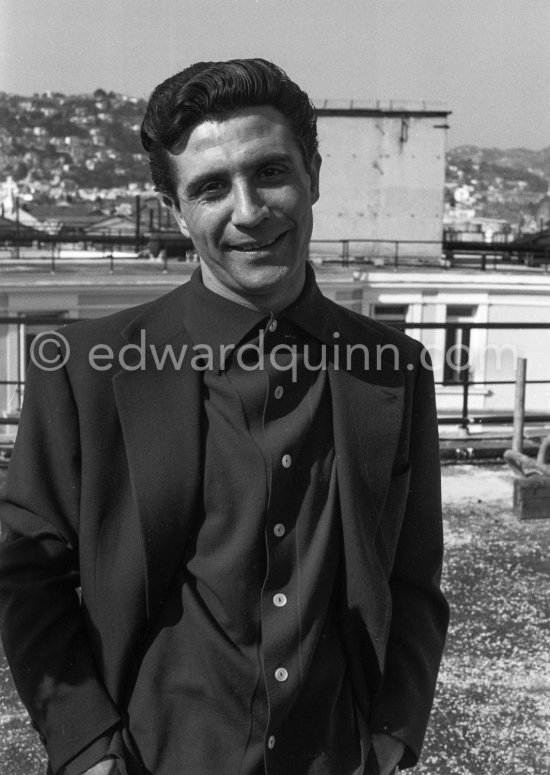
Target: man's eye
{"x":271,"y":172}
{"x":211,"y":188}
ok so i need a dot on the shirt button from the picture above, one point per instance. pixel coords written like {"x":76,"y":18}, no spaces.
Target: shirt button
{"x":278,"y":392}
{"x":279,"y":600}
{"x":279,"y":530}
{"x":271,"y":742}
{"x":272,"y":326}
{"x":286,"y":461}
{"x":281,"y":674}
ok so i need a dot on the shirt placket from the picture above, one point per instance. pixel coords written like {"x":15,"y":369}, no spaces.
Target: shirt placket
{"x":280,"y":593}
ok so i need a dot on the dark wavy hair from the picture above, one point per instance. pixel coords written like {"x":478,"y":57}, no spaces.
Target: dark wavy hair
{"x":211,"y":90}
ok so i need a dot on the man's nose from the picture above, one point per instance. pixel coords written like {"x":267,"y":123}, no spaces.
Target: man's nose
{"x":249,"y":207}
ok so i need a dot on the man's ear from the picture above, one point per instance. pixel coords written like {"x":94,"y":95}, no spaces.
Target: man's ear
{"x":176,"y":214}
{"x":314,"y":170}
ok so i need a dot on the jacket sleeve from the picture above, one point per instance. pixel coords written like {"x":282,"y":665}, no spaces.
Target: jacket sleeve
{"x":42,"y":622}
{"x":419,"y":610}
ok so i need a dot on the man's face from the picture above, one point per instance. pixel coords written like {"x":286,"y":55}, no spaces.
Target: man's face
{"x":245,"y":195}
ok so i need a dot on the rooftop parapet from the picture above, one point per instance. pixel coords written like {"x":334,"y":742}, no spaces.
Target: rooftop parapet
{"x":382,"y":107}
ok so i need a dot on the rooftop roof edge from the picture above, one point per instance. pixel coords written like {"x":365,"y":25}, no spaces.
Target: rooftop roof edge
{"x":382,"y":106}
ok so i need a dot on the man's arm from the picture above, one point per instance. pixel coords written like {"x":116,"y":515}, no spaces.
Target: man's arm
{"x":41,"y":620}
{"x":419,"y":610}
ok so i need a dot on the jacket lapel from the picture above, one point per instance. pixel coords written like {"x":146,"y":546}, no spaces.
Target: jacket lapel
{"x":367,"y":414}
{"x":368,"y":401}
{"x":159,"y":411}
{"x":367,"y":424}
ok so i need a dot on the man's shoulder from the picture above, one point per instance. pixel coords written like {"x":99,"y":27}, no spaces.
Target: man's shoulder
{"x":111,"y":329}
{"x":357,"y":327}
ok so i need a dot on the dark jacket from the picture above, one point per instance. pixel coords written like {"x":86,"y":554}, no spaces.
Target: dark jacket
{"x":102,"y":492}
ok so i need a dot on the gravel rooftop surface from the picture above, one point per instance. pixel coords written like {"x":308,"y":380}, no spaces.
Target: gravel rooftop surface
{"x":492,"y":710}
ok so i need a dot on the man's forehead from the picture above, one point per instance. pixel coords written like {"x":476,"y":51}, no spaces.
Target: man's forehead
{"x":238,"y":126}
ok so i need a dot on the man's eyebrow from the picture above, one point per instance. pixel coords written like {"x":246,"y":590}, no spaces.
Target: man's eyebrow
{"x":194,"y":183}
{"x":274,"y":157}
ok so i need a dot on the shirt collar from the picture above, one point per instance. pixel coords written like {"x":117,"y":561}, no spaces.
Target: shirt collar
{"x":215,"y":322}
{"x":310,"y":312}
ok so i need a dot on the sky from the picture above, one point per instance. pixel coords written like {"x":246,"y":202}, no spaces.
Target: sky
{"x":487,"y":60}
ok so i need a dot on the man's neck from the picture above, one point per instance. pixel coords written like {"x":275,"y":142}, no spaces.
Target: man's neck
{"x":270,"y":303}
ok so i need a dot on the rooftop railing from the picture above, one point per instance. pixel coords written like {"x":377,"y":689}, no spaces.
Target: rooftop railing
{"x":460,"y":372}
{"x":166,"y":251}
{"x":459,"y":375}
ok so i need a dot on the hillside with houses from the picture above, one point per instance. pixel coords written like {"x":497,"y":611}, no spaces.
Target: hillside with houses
{"x":84,"y":150}
{"x":56,"y":147}
{"x":509,"y":185}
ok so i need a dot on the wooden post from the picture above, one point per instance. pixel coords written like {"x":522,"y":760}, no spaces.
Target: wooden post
{"x":519,"y":405}
{"x":532,"y":497}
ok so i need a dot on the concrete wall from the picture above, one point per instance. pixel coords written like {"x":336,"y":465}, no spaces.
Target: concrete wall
{"x":382,"y":178}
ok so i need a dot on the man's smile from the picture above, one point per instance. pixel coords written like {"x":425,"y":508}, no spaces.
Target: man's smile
{"x":252,"y":247}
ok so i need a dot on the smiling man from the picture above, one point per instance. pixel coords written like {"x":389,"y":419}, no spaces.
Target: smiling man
{"x":257,"y":541}
{"x":244,"y":192}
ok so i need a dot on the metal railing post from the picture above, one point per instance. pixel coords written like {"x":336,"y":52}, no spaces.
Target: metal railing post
{"x":465,"y":374}
{"x":17,"y":230}
{"x":20,"y":341}
{"x":345,"y":252}
{"x":137,"y":201}
{"x":465,"y":397}
{"x":396,"y":254}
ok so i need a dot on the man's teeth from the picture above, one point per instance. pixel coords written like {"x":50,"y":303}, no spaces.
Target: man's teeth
{"x":252,"y":248}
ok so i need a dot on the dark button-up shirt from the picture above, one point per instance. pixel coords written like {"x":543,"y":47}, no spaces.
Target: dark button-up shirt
{"x":244,"y":669}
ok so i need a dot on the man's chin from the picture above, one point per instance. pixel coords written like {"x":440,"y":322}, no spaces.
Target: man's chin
{"x":271,"y":281}
{"x":258,"y":283}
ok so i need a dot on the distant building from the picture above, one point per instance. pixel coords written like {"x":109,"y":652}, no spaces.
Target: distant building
{"x":542,"y":213}
{"x":463,"y":224}
{"x":112,"y":225}
{"x":59,"y":218}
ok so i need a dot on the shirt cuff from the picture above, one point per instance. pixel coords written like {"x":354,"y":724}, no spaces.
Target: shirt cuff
{"x":406,"y":749}
{"x":97,"y":750}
